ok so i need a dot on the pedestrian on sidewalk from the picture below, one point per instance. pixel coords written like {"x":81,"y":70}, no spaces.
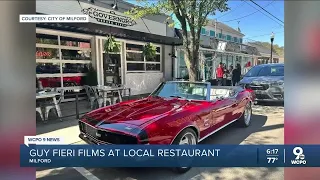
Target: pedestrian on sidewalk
{"x":230,"y":74}
{"x":219,"y":74}
{"x":236,"y":75}
{"x":225,"y":75}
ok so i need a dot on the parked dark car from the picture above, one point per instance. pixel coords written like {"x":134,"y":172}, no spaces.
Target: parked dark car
{"x":267,"y":81}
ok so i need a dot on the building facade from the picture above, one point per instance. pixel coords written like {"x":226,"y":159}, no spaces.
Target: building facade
{"x":66,"y":50}
{"x":219,"y":43}
{"x":265,"y":54}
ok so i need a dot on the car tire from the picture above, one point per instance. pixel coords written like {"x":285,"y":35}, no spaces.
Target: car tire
{"x":190,"y":132}
{"x":245,"y":119}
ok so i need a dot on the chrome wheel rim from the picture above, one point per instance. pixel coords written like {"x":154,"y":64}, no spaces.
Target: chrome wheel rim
{"x":247,"y":114}
{"x":188,"y":139}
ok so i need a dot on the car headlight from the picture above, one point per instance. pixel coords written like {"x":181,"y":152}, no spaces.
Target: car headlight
{"x":277,"y":83}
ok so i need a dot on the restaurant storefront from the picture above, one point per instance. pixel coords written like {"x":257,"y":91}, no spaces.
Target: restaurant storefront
{"x":64,"y":52}
{"x":210,"y":57}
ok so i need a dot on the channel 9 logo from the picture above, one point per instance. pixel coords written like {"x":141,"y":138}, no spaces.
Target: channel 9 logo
{"x":298,"y":152}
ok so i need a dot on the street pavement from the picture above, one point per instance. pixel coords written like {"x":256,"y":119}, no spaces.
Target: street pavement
{"x":267,"y":128}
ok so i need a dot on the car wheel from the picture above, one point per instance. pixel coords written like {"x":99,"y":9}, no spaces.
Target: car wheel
{"x":245,"y":119}
{"x":186,"y":137}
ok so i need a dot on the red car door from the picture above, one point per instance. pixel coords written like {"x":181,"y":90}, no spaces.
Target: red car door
{"x":221,"y":112}
{"x":239,"y":104}
{"x":206,"y":120}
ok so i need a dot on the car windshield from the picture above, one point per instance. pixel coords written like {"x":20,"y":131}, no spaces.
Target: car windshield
{"x":187,"y":90}
{"x":265,"y":71}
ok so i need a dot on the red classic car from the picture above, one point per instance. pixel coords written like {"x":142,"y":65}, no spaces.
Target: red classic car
{"x":177,"y":112}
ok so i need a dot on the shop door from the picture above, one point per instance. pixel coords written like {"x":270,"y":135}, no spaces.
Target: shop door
{"x":112,"y":68}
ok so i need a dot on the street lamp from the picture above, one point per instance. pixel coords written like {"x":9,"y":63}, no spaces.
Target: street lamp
{"x":271,"y":38}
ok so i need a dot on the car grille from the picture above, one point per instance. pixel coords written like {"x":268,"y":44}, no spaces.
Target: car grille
{"x":106,"y":136}
{"x":257,"y":87}
{"x":262,"y":96}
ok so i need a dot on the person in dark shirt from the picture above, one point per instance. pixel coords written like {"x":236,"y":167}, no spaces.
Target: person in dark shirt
{"x":229,"y":77}
{"x":225,"y":75}
{"x":220,"y":73}
{"x":236,"y":75}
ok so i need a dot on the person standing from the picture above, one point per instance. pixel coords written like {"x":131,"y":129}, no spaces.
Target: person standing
{"x":225,"y":74}
{"x":230,"y":74}
{"x":219,"y":74}
{"x":236,"y":75}
{"x":247,"y":67}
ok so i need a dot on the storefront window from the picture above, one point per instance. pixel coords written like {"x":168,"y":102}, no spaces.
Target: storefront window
{"x":218,"y":58}
{"x":48,"y":68}
{"x":74,"y":68}
{"x":55,"y":71}
{"x":134,"y":47}
{"x":238,"y":60}
{"x":224,"y":59}
{"x":155,"y":59}
{"x":73,"y":81}
{"x":46,"y":39}
{"x":153,"y":67}
{"x":230,"y":60}
{"x":134,"y":56}
{"x":75,"y":54}
{"x":182,"y":68}
{"x":135,"y":66}
{"x":50,"y":82}
{"x":136,"y":61}
{"x":47,"y":53}
{"x":75,"y":42}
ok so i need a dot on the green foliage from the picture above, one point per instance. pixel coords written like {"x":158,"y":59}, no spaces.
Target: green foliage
{"x":91,"y":78}
{"x":278,"y":49}
{"x":149,"y":51}
{"x":111,"y":45}
{"x":191,"y":14}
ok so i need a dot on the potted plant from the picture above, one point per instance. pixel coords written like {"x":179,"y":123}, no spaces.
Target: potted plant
{"x":91,"y":78}
{"x":111,"y":45}
{"x":149,"y":51}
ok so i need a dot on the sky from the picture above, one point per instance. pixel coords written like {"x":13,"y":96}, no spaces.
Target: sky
{"x":256,"y":24}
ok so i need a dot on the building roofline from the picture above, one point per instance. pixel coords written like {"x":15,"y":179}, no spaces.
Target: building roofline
{"x":235,"y":31}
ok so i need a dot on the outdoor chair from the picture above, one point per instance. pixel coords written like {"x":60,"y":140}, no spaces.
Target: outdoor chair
{"x":39,"y":110}
{"x":40,"y":102}
{"x":97,"y":98}
{"x":115,"y":94}
{"x":52,"y":105}
{"x":93,"y":97}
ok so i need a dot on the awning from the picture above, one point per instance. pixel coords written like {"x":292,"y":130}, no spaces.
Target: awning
{"x":96,"y":29}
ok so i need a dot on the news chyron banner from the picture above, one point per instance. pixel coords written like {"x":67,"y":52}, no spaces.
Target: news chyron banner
{"x":51,"y":152}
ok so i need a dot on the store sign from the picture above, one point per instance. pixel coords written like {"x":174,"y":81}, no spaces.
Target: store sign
{"x":109,"y":17}
{"x":222,"y":46}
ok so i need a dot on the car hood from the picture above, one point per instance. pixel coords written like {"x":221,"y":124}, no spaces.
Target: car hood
{"x":248,"y":80}
{"x":137,"y":112}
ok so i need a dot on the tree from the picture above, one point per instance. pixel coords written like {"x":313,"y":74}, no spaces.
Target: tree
{"x":192,"y":15}
{"x":276,"y":48}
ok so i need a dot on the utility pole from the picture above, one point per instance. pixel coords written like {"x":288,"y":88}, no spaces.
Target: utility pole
{"x":215,"y":28}
{"x":271,"y":38}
